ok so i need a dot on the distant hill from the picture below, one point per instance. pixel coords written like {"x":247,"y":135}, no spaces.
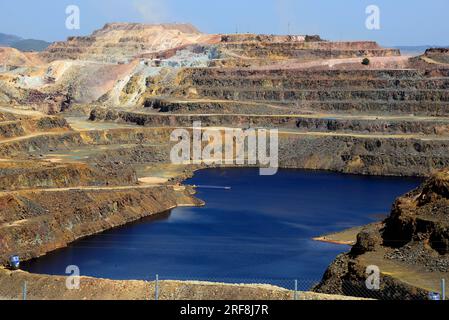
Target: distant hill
{"x":7,"y":40}
{"x":30,"y":45}
{"x":415,"y":50}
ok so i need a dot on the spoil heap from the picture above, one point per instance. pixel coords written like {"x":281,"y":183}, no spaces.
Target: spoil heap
{"x":122,"y":42}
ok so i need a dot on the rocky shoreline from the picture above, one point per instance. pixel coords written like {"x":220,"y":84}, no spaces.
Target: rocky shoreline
{"x":410,"y":248}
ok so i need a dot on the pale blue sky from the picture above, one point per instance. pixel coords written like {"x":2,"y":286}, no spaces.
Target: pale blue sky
{"x":403,"y":22}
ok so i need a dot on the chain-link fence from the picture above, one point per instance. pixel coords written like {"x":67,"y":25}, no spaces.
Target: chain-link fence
{"x":161,"y":287}
{"x":166,"y":288}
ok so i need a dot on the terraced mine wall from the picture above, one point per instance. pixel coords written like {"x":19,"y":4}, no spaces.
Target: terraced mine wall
{"x":349,"y":154}
{"x":371,"y":91}
{"x":358,"y":154}
{"x":284,"y":42}
{"x":34,"y":223}
{"x":429,"y":108}
{"x":16,"y":128}
{"x":214,"y":107}
{"x":47,"y":204}
{"x":280,"y":48}
{"x":291,"y":52}
{"x":230,"y":38}
{"x":34,"y":174}
{"x":299,"y":95}
{"x":363,"y":155}
{"x":298,"y":123}
{"x":66,"y":140}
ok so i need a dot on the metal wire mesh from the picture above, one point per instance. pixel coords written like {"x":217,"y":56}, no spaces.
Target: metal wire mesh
{"x":162,"y":287}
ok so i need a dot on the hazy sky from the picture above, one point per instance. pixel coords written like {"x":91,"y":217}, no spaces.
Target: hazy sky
{"x":403,"y":22}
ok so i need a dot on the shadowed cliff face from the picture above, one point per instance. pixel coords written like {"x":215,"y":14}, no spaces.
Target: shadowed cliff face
{"x":411,"y":247}
{"x":422,"y":216}
{"x":36,"y":222}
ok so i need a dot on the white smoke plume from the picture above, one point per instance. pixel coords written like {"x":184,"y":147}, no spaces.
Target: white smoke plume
{"x":152,"y":11}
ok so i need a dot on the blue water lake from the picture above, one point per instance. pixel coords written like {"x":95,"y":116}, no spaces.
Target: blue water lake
{"x":259,"y":231}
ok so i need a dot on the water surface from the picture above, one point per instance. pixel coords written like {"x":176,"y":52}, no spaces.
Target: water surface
{"x":260,"y":230}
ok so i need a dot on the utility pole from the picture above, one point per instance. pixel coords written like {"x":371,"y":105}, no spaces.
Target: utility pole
{"x":296,"y":290}
{"x":443,"y":289}
{"x":24,"y":291}
{"x":156,"y":288}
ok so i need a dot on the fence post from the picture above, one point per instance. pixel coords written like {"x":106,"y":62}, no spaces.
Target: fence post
{"x":156,"y":288}
{"x":296,"y":289}
{"x":24,"y":291}
{"x":443,"y":289}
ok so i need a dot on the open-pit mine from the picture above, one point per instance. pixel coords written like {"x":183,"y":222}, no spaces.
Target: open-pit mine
{"x":85,"y":146}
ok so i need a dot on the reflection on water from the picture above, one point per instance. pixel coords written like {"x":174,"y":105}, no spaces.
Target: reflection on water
{"x":260,"y":229}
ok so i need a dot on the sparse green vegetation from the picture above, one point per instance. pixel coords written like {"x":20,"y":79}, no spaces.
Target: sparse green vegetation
{"x":366,"y":62}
